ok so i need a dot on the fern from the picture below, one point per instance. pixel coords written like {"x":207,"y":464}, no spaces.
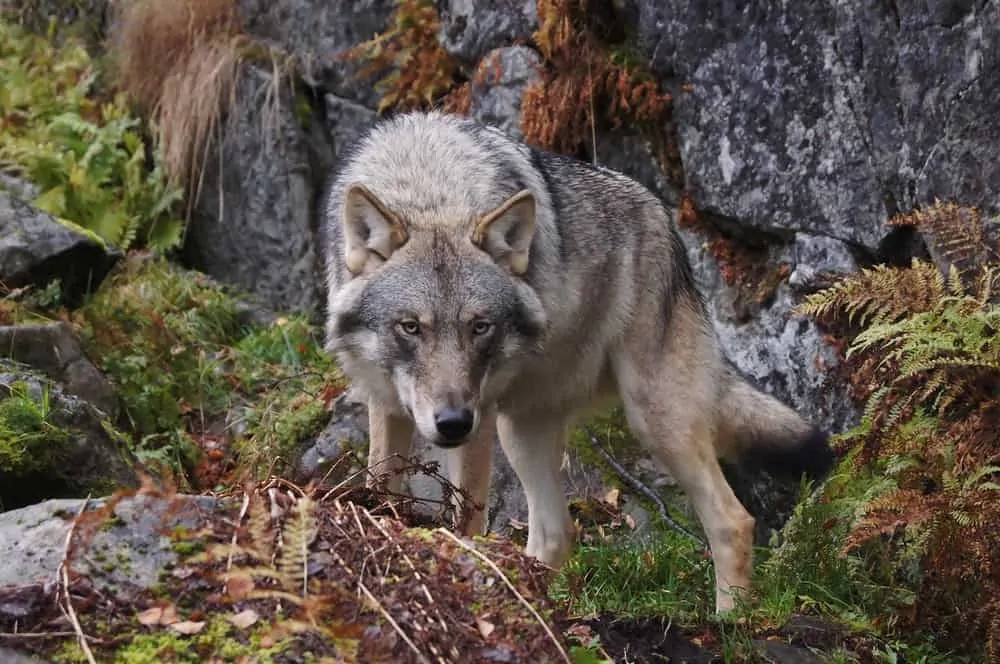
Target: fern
{"x":879,"y":294}
{"x":84,"y":152}
{"x":924,"y":350}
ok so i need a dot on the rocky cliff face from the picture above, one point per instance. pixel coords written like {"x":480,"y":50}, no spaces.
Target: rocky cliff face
{"x":799,"y":130}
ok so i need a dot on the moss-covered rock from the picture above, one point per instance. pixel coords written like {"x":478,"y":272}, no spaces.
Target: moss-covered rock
{"x":53,"y":444}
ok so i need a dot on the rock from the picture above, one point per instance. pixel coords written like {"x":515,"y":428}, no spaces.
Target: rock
{"x":319,"y":34}
{"x":256,"y":232}
{"x":54,"y":444}
{"x":52,"y":348}
{"x":468,"y":32}
{"x":497,"y":100}
{"x":346,"y":121}
{"x":35,"y":249}
{"x":346,"y":431}
{"x":127,"y":550}
{"x":8,"y":656}
{"x":783,"y":354}
{"x":828,"y":118}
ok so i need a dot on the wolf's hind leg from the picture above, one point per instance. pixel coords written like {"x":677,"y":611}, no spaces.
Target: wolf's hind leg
{"x":534,"y":446}
{"x":667,"y":411}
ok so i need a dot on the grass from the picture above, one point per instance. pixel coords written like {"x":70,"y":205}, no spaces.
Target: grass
{"x":180,"y":61}
{"x":669,"y":575}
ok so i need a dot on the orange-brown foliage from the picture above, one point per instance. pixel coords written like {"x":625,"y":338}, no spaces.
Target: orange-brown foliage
{"x":584,"y":86}
{"x":420,"y":71}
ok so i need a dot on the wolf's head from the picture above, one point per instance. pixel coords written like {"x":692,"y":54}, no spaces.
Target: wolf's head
{"x":434,"y":314}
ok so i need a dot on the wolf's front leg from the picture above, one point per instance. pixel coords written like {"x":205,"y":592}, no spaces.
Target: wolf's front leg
{"x":470,"y":467}
{"x":534,"y":446}
{"x":390,"y":438}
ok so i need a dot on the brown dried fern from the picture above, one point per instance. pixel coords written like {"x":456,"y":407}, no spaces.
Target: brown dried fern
{"x":956,"y":237}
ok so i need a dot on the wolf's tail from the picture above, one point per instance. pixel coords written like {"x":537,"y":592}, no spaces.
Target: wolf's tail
{"x":769,"y":434}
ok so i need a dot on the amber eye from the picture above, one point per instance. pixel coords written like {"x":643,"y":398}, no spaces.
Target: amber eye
{"x":409,"y":327}
{"x":481,"y":327}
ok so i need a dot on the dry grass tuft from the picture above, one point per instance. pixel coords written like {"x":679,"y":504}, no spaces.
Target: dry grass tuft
{"x":179,"y":61}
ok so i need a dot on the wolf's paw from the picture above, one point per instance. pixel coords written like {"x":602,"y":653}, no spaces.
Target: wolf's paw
{"x":551,"y":545}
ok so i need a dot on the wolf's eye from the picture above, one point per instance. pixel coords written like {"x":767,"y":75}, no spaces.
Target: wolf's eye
{"x":410,"y":327}
{"x":481,"y":327}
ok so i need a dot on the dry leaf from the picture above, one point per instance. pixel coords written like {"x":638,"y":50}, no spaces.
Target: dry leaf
{"x":188,"y":626}
{"x":159,"y":615}
{"x":244,"y":618}
{"x":485,"y":627}
{"x":611,"y":497}
{"x":151,"y":616}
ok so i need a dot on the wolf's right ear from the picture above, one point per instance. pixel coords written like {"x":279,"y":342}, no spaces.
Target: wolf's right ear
{"x":371,"y":231}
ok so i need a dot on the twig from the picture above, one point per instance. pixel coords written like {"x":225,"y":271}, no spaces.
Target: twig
{"x":63,"y":573}
{"x":416,"y":573}
{"x":35,"y":635}
{"x":395,"y":625}
{"x":236,"y":532}
{"x":637,"y":485}
{"x":519,"y":596}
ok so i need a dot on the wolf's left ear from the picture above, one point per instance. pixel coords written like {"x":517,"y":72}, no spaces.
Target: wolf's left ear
{"x":506,"y":232}
{"x":371,"y":231}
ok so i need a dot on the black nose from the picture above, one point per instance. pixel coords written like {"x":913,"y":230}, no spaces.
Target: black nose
{"x":454,"y":424}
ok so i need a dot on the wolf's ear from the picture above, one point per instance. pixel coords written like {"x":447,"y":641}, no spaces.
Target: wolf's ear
{"x":506,"y":232}
{"x":371,"y":231}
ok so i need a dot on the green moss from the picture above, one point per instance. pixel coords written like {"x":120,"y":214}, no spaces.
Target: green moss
{"x":218,"y":639}
{"x":29,"y":440}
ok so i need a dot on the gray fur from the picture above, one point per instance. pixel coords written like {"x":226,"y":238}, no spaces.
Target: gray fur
{"x":590,"y":298}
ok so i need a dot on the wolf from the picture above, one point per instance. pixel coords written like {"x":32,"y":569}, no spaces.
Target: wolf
{"x":478,"y":287}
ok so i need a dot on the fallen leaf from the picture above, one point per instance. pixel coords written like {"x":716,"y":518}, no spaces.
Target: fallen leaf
{"x":611,"y":497}
{"x":485,"y":627}
{"x":151,"y":616}
{"x":244,"y":618}
{"x":188,"y":626}
{"x":159,"y":615}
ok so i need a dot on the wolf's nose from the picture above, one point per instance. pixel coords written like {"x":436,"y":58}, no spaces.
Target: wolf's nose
{"x":454,"y":423}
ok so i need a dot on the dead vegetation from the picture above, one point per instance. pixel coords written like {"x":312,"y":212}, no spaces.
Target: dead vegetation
{"x":591,"y":81}
{"x":332,"y":572}
{"x":416,"y":72}
{"x":179,"y":61}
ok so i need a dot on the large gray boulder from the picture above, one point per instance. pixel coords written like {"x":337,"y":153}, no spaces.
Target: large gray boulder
{"x":256,"y":213}
{"x":320,"y":33}
{"x":470,"y":30}
{"x":830,"y":117}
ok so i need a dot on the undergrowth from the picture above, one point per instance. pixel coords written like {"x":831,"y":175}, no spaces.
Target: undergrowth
{"x":202,"y":391}
{"x":65,"y":131}
{"x":924,"y":356}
